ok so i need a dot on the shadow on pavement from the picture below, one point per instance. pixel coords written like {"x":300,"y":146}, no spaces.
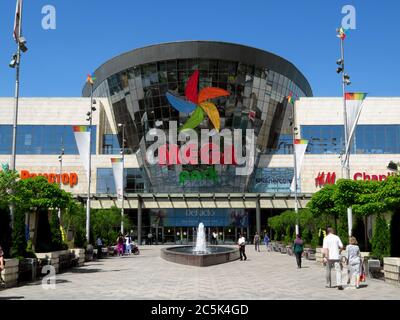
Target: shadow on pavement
{"x":80,"y":270}
{"x":11,"y":298}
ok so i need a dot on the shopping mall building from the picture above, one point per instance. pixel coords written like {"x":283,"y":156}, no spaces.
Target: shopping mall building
{"x":130,"y":89}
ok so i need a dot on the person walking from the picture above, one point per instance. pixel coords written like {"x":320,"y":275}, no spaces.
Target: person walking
{"x":120,"y":244}
{"x":354,"y":260}
{"x":150,"y":238}
{"x":2,"y":265}
{"x":257,"y":242}
{"x":99,"y":244}
{"x":242,"y":247}
{"x":331,"y":248}
{"x":298,"y":249}
{"x":266,"y":242}
{"x":128,"y":246}
{"x":214,"y":238}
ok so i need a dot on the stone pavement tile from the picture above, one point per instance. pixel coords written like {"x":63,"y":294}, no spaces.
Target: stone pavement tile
{"x":265,"y":275}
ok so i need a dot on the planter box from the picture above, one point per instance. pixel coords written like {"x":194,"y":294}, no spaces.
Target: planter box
{"x":79,"y":256}
{"x":391,"y":268}
{"x":318,"y":255}
{"x":51,"y":257}
{"x":10,"y":272}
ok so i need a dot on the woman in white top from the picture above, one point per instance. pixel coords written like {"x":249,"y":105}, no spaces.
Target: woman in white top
{"x":354,"y":260}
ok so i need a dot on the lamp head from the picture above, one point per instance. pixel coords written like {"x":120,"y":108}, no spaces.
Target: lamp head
{"x":13,"y":61}
{"x":22,"y":44}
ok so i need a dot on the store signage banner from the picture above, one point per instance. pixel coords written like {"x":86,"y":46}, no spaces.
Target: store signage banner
{"x":209,"y":217}
{"x":118,"y":172}
{"x":82,"y":137}
{"x":300,"y":146}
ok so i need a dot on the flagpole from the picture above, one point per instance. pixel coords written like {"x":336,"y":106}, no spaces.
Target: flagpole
{"x":123,"y":189}
{"x":346,"y":161}
{"x":17,"y":61}
{"x":296,"y":207}
{"x":90,"y":167}
{"x":60,"y":181}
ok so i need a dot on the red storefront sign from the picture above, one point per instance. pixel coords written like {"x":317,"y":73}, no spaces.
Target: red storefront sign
{"x":66,"y":178}
{"x":330,"y":177}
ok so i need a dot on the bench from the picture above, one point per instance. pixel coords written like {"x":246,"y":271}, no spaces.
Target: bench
{"x":374,"y":268}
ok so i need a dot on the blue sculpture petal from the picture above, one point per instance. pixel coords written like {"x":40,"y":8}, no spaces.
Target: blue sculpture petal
{"x":180,"y":104}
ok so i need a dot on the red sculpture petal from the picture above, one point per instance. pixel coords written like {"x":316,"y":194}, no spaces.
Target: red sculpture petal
{"x":191,"y":91}
{"x":210,"y":93}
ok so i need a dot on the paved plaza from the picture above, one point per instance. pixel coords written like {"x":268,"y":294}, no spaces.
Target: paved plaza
{"x":265,"y":275}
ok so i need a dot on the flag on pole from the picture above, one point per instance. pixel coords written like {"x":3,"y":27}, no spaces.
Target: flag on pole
{"x":82,"y":137}
{"x":342,"y":33}
{"x":17,"y":21}
{"x":290,"y":98}
{"x":300,"y":146}
{"x":118,"y":172}
{"x":91,"y":78}
{"x":354,"y":104}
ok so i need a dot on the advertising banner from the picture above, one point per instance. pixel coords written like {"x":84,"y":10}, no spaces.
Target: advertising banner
{"x":82,"y":137}
{"x":300,"y":146}
{"x":118,"y":173}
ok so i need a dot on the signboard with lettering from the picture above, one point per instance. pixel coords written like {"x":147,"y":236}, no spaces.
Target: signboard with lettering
{"x":212,"y":217}
{"x":273,"y":180}
{"x":324,"y":178}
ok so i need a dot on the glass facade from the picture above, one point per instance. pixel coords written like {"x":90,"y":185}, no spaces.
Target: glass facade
{"x":368,"y":139}
{"x":42,"y":139}
{"x":257,"y":101}
{"x":133,"y":181}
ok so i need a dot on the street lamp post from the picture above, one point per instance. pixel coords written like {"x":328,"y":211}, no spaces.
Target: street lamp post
{"x":345,"y":82}
{"x":296,"y":206}
{"x":16,"y":63}
{"x":90,"y":119}
{"x":123,"y":165}
{"x":60,"y":158}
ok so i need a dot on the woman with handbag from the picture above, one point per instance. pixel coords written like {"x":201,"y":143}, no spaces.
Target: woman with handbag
{"x":354,"y":260}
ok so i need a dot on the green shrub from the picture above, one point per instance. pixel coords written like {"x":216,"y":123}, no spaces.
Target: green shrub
{"x":380,"y":239}
{"x":56,"y":236}
{"x":18,"y":249}
{"x":395,"y":234}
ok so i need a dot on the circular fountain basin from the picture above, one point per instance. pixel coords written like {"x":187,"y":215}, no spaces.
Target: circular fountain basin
{"x":213,"y":255}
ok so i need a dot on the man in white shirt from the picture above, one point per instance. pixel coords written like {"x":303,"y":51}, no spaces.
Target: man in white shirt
{"x":331,"y":249}
{"x":242,"y":247}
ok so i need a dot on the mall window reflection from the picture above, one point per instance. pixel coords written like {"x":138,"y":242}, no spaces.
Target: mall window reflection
{"x":133,"y":181}
{"x":42,"y":139}
{"x":369,"y":139}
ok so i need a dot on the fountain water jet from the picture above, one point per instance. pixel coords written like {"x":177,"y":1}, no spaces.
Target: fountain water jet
{"x":201,"y":244}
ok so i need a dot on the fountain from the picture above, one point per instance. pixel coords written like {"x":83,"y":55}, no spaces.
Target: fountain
{"x":201,"y":244}
{"x":200,"y":255}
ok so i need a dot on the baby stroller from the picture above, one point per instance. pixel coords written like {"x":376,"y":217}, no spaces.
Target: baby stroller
{"x":135,"y":249}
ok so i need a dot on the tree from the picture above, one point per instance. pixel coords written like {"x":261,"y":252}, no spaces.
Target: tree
{"x":56,"y":236}
{"x":18,"y":249}
{"x":395,"y":234}
{"x":7,"y":183}
{"x":106,"y":223}
{"x":39,"y":196}
{"x":73,"y":219}
{"x":380,"y":239}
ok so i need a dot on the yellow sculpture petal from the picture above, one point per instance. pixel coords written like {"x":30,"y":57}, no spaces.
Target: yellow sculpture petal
{"x":211,"y":110}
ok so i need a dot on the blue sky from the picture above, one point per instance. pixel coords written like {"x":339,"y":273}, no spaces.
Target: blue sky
{"x":90,"y":32}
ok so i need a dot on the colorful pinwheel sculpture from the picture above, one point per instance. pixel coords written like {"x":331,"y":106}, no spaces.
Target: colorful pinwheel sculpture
{"x":196,"y":102}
